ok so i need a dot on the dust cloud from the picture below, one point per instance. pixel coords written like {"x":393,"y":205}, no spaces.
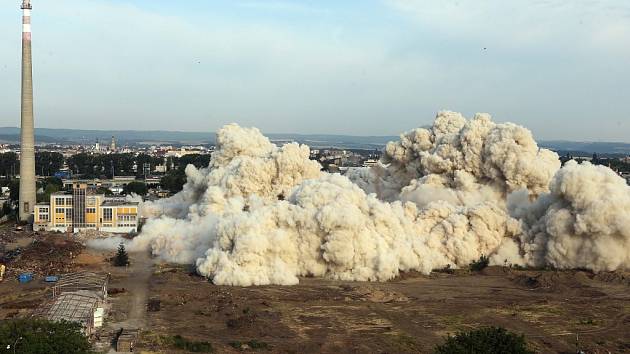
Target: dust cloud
{"x":442,"y":195}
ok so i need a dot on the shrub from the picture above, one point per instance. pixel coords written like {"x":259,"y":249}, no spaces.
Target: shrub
{"x":43,"y":337}
{"x":252,"y":344}
{"x":490,"y":340}
{"x":180,"y":342}
{"x":480,"y":264}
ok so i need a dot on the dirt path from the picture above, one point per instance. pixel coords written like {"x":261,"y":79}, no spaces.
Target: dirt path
{"x":135,"y":280}
{"x":137,"y":285}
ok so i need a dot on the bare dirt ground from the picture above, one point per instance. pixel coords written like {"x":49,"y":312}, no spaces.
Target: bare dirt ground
{"x":408,"y":315}
{"x":129,"y":293}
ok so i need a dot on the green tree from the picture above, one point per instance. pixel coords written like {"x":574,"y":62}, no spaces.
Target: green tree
{"x":198,"y":160}
{"x":47,"y":163}
{"x":30,"y":336}
{"x":50,"y":185}
{"x":14,"y":186}
{"x":122,"y":258}
{"x":9,"y":164}
{"x":489,"y":340}
{"x":6,"y":209}
{"x":173,"y":181}
{"x":136,"y":187}
{"x":104,"y":190}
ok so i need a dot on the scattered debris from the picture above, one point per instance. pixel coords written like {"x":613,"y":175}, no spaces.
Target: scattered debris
{"x":126,"y":340}
{"x":153,"y":305}
{"x":25,"y":277}
{"x":366,"y":293}
{"x":50,"y":254}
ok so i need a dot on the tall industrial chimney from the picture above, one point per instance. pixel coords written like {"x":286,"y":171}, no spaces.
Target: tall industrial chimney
{"x":27,"y":148}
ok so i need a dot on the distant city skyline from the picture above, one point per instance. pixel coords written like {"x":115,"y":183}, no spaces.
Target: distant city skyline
{"x":375,"y":67}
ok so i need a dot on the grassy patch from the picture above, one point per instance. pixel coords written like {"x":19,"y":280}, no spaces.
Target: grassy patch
{"x":588,"y":322}
{"x":182,"y":343}
{"x":402,"y":343}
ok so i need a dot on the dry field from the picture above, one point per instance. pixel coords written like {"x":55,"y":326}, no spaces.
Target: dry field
{"x":410,"y":314}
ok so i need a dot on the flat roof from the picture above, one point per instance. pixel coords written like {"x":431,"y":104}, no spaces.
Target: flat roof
{"x":115,"y":204}
{"x":83,"y":279}
{"x":77,"y":306}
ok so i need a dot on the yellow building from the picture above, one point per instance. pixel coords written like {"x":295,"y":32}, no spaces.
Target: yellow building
{"x":82,"y":209}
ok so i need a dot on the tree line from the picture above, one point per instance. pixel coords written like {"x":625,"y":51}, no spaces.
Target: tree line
{"x":46,"y":163}
{"x":87,"y":166}
{"x":107,"y":166}
{"x":174,"y":179}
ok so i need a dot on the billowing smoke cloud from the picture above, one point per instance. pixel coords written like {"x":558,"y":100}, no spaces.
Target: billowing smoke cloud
{"x":458,"y":156}
{"x":583,"y":223}
{"x":330,"y":227}
{"x":444,"y":195}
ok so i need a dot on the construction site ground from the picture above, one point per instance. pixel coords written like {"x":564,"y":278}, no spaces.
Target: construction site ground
{"x":411,"y":314}
{"x":407,"y":315}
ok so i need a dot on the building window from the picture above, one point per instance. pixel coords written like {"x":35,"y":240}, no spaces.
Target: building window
{"x":90,"y":210}
{"x":68,"y":214}
{"x":60,"y":201}
{"x":107,"y":214}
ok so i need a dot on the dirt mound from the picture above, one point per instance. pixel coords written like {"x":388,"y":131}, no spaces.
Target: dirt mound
{"x":366,"y":293}
{"x":89,"y":258}
{"x":545,"y":280}
{"x":568,"y":282}
{"x":50,"y":254}
{"x":495,"y":271}
{"x":526,"y":281}
{"x":618,"y":277}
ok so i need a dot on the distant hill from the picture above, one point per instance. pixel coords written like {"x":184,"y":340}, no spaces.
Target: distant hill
{"x":47,"y":135}
{"x":105,"y":136}
{"x":132,"y":137}
{"x":586,"y":148}
{"x":14,"y":138}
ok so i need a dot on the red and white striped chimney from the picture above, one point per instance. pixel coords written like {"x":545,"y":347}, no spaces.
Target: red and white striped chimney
{"x":26,"y":19}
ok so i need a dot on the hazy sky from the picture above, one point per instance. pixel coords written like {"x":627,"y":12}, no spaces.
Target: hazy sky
{"x":361,"y":67}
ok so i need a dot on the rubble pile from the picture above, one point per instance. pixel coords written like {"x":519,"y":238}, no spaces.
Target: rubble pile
{"x":87,"y":235}
{"x":7,"y":236}
{"x":49,"y":254}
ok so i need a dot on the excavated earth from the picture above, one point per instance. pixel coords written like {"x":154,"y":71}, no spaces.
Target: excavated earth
{"x":411,"y":314}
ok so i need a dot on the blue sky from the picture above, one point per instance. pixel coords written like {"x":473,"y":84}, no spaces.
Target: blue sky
{"x":371,"y":67}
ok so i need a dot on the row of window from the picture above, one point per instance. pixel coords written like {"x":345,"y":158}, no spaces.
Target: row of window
{"x":63,"y":201}
{"x":107,"y":213}
{"x":91,"y":225}
{"x":126,"y":218}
